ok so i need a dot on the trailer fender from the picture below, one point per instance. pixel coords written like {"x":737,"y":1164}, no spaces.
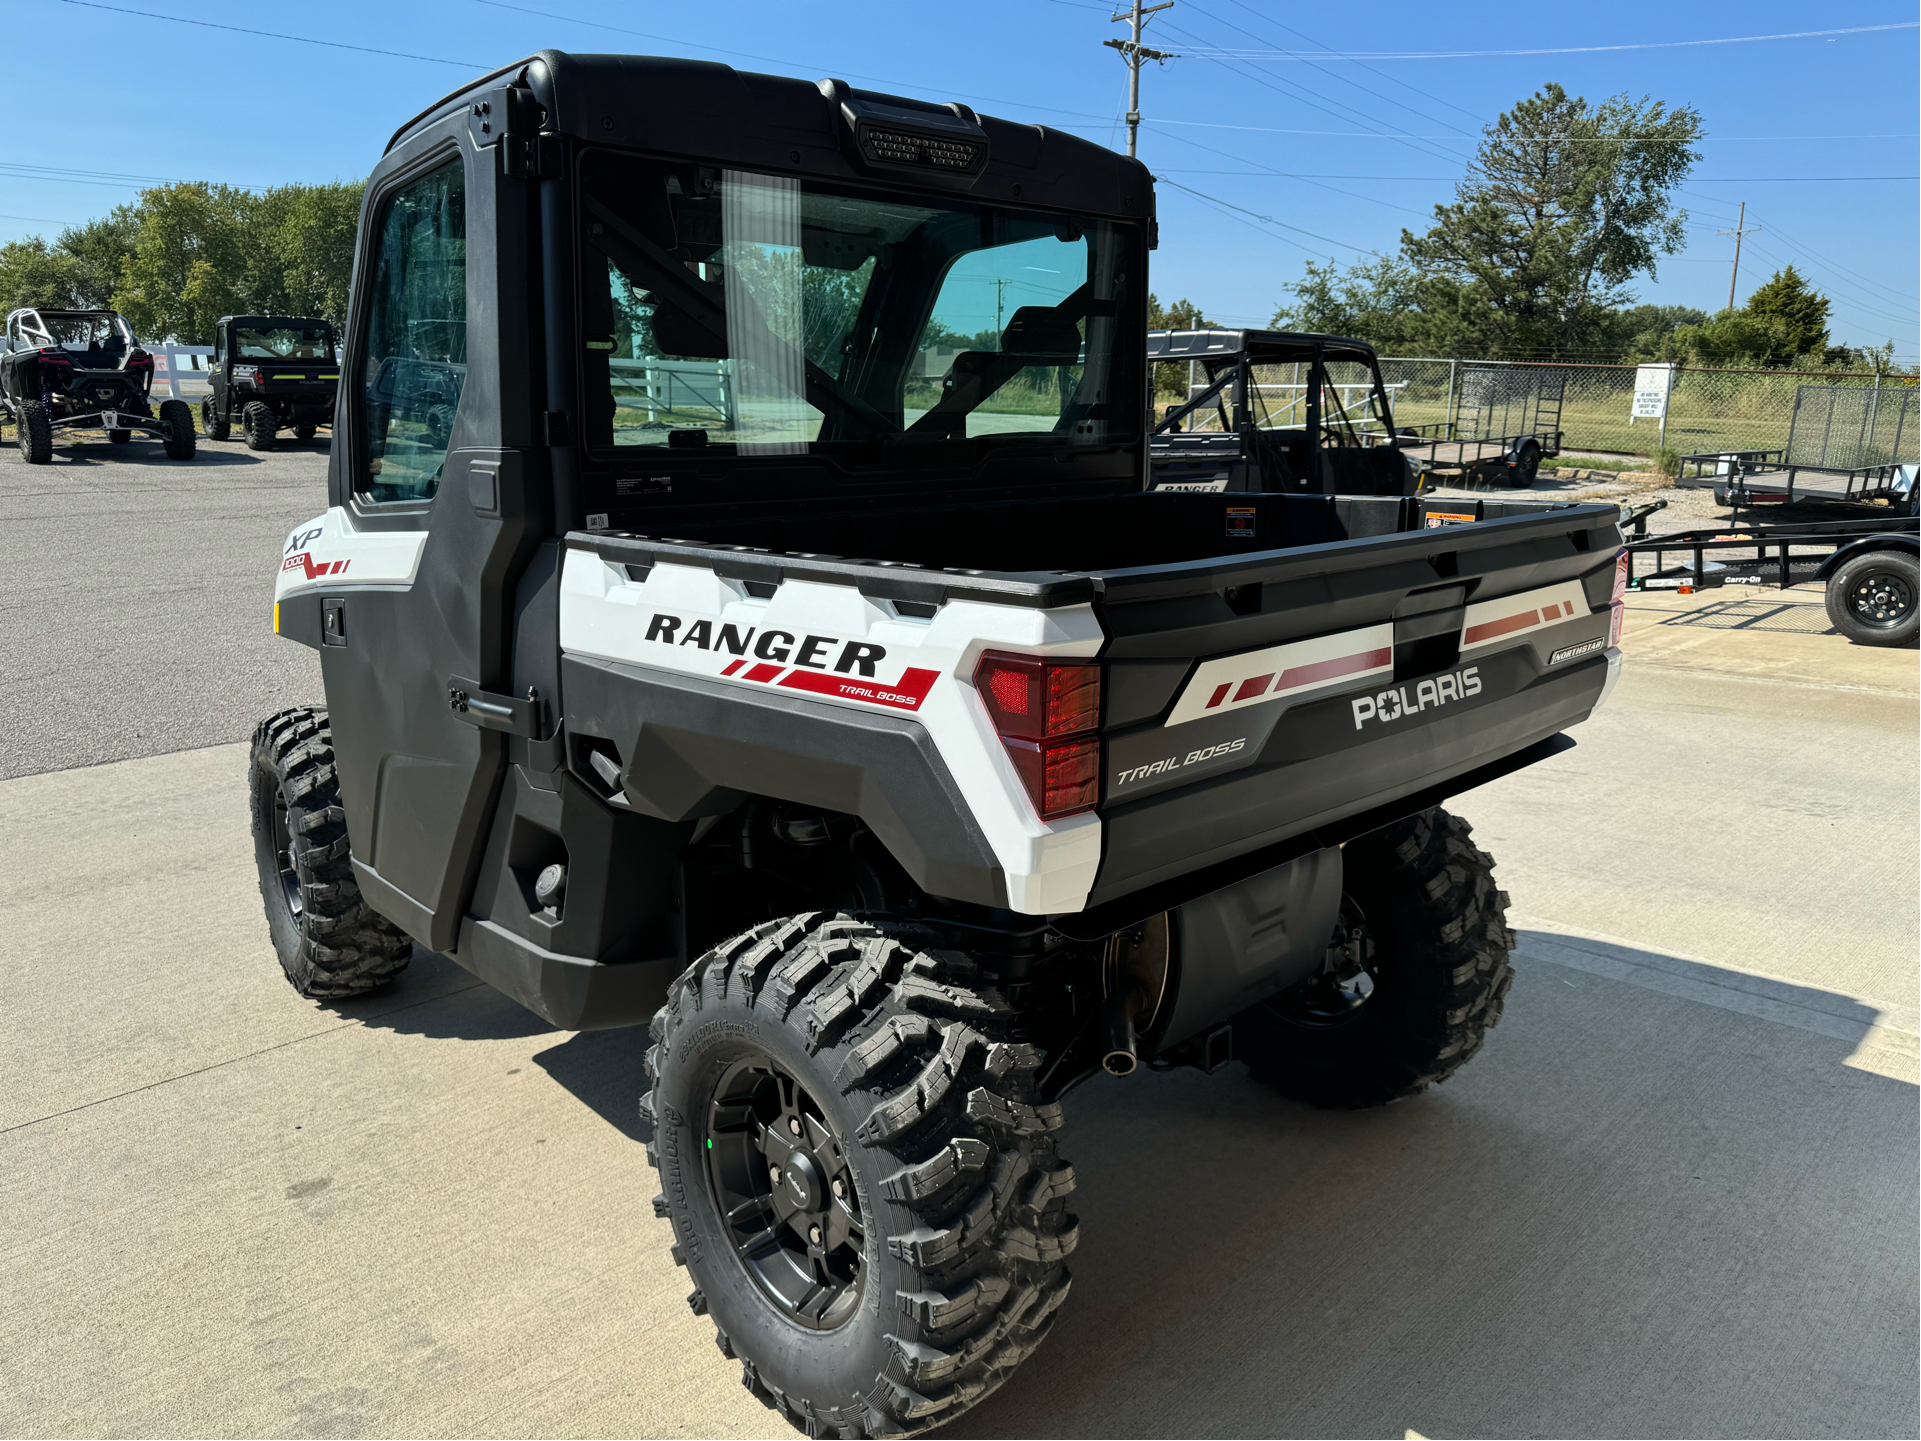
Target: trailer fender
{"x":1846,"y":553}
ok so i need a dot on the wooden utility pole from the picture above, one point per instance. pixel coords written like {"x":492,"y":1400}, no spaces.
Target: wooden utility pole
{"x":1740,"y":229}
{"x":1137,"y":55}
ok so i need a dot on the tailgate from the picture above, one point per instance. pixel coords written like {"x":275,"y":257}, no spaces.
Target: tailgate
{"x":1254,"y":698}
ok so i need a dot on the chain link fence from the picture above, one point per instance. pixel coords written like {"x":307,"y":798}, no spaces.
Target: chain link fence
{"x":1872,"y":422}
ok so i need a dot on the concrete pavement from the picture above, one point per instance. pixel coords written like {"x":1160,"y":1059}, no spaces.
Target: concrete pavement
{"x":1674,"y":1196}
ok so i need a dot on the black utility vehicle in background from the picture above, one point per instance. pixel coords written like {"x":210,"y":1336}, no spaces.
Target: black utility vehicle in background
{"x":270,"y":373}
{"x":1325,"y":429}
{"x":83,"y":370}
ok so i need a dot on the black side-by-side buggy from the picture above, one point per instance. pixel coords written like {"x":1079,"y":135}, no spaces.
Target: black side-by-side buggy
{"x":83,"y":370}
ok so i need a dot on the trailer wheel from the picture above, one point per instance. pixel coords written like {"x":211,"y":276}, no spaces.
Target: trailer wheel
{"x":1872,"y":599}
{"x":328,"y":941}
{"x":1527,"y":463}
{"x":176,"y":420}
{"x":859,"y":1171}
{"x":1417,"y":973}
{"x":33,"y":433}
{"x":258,"y":423}
{"x":214,"y":423}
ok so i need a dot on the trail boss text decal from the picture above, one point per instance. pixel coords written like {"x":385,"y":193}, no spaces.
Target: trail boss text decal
{"x":1394,"y":703}
{"x":1174,"y":763}
{"x":818,"y":664}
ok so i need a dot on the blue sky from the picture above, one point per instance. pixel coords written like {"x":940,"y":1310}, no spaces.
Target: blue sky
{"x":1791,"y":123}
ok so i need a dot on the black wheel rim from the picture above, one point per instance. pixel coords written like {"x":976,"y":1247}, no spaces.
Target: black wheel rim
{"x":786,"y":1196}
{"x":283,"y":856}
{"x":1881,"y":599}
{"x":1338,"y":994}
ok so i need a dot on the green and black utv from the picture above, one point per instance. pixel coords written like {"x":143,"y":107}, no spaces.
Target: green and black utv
{"x":270,"y":373}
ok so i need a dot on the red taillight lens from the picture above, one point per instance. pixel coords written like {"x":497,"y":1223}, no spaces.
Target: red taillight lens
{"x":1039,"y":699}
{"x":1046,"y":713}
{"x":140,"y":360}
{"x":1617,"y":610}
{"x":55,"y":357}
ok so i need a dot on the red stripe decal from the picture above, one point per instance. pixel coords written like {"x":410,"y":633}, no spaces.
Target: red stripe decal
{"x":732,"y":666}
{"x":905,"y":694}
{"x":1488,"y":630}
{"x":1301,"y":675}
{"x":1220,"y":694}
{"x":1251,"y":688}
{"x":763,"y":671}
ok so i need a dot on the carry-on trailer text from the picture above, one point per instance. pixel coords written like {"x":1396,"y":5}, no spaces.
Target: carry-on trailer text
{"x":861,"y":702}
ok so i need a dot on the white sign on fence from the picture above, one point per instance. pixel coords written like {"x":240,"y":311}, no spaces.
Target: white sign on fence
{"x":1652,"y":385}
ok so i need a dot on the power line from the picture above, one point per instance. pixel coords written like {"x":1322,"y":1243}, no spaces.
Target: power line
{"x":1438,"y":99}
{"x":275,"y":35}
{"x":1268,"y":219}
{"x":1553,"y":50}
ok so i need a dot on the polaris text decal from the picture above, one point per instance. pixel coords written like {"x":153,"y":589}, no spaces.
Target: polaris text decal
{"x":1394,"y":703}
{"x":1174,"y":763}
{"x":818,"y":664}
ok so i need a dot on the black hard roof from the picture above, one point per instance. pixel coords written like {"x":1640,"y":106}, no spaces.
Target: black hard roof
{"x":1263,"y":347}
{"x":699,"y":109}
{"x":275,"y":320}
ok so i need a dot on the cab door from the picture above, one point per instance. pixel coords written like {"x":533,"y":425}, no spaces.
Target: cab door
{"x":432,"y":463}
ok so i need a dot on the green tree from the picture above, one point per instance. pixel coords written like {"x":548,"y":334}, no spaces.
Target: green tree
{"x":77,"y":271}
{"x":1375,"y":300}
{"x":1181,"y":315}
{"x":1797,"y":313}
{"x":190,"y":262}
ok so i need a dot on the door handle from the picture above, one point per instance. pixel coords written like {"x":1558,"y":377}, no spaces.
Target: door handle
{"x":492,"y":711}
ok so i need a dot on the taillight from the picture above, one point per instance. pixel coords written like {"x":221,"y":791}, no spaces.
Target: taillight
{"x":140,"y":360}
{"x":1617,"y":607}
{"x":1047,"y":714}
{"x":55,"y":357}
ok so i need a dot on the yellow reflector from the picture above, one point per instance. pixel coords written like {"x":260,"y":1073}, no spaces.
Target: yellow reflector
{"x":276,"y":617}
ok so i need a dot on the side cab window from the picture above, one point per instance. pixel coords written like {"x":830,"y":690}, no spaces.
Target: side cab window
{"x":413,"y":360}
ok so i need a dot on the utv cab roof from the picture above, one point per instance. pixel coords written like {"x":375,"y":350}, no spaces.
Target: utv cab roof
{"x":1262,"y":347}
{"x":819,"y":130}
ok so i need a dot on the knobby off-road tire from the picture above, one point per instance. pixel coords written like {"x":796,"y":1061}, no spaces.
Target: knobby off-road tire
{"x":214,"y":424}
{"x":258,"y":423}
{"x":176,"y":419}
{"x":946,"y":1220}
{"x":329,"y":943}
{"x":1875,"y":599}
{"x":33,"y":433}
{"x":1434,"y":931}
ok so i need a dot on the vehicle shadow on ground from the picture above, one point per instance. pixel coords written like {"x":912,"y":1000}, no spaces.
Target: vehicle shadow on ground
{"x":134,"y":453}
{"x":1633,"y":1214}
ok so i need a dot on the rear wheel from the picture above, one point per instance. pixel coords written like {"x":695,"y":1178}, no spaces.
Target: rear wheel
{"x":1872,"y":599}
{"x":1527,"y":463}
{"x":213,"y":423}
{"x":33,"y":433}
{"x":176,"y":421}
{"x":329,"y":943}
{"x":859,"y":1172}
{"x":1416,"y":974}
{"x":259,"y":423}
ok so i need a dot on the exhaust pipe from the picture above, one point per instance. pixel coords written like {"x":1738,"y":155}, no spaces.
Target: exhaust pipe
{"x":1118,"y":1056}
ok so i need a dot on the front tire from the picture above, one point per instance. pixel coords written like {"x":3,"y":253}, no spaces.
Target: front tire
{"x":859,"y":1172}
{"x":176,"y":419}
{"x":1872,"y":599}
{"x":329,"y":943}
{"x":214,"y":423}
{"x":1416,"y":976}
{"x":259,"y":423}
{"x":33,"y":432}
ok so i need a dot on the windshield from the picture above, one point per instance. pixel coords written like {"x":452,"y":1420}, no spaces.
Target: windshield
{"x":78,"y":330}
{"x":760,"y":314}
{"x":283,"y":342}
